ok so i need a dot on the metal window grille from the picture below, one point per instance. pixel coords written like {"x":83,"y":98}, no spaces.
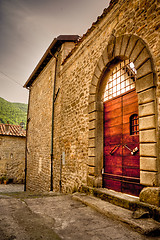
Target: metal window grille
{"x":134,"y":124}
{"x":121,"y":80}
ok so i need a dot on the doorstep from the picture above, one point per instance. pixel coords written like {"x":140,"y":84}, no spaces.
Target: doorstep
{"x":123,"y":200}
{"x":125,"y":208}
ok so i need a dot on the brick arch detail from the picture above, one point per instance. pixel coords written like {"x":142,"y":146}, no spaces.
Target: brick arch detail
{"x":134,"y":48}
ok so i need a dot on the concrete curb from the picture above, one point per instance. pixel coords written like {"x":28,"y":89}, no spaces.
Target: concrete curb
{"x":146,"y":226}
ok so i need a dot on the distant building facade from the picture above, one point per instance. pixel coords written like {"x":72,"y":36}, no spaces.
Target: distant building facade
{"x":94,"y":105}
{"x":12,"y":153}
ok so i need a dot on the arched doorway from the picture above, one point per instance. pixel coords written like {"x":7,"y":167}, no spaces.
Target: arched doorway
{"x":121,"y":130}
{"x":118,"y":49}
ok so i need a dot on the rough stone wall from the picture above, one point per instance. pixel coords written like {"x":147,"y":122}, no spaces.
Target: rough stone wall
{"x":140,"y":18}
{"x":71,"y":133}
{"x":12,"y":158}
{"x":40,"y":127}
{"x":74,"y":77}
{"x":39,"y":130}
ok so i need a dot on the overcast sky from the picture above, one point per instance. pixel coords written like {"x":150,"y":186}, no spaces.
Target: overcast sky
{"x":27,"y":27}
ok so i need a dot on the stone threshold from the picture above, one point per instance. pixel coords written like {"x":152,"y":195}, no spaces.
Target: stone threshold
{"x":142,"y":217}
{"x":123,"y":200}
{"x":146,"y":226}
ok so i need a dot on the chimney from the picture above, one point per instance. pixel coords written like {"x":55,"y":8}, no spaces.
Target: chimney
{"x":22,"y":124}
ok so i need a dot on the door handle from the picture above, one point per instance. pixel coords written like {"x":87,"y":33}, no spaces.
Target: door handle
{"x":114,"y":149}
{"x":134,"y":151}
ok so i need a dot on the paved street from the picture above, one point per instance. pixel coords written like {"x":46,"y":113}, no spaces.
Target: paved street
{"x":11,"y":188}
{"x":26,"y":216}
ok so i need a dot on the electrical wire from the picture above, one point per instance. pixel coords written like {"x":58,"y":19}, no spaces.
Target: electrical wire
{"x":10,"y":78}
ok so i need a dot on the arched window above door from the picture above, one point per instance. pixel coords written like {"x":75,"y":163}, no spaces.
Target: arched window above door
{"x":121,"y":80}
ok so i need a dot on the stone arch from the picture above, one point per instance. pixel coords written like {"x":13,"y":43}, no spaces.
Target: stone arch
{"x":119,"y":48}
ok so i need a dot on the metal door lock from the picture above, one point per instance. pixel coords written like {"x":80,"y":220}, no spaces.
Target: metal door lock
{"x":134,"y":151}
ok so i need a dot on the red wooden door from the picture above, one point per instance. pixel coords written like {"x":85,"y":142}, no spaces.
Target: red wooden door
{"x":121,"y":163}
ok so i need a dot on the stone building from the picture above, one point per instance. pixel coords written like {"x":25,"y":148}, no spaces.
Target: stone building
{"x":94,"y":105}
{"x":12,"y":152}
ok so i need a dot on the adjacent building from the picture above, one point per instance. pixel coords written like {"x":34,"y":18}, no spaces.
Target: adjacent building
{"x":12,"y":153}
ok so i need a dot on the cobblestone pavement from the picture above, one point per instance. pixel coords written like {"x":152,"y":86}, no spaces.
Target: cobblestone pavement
{"x":29,"y":216}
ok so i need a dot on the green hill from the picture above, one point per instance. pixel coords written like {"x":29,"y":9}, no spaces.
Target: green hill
{"x":14,"y":113}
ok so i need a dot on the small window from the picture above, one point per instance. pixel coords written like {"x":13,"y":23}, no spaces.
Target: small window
{"x":134,"y":124}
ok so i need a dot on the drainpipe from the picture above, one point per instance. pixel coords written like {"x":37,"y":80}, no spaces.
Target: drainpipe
{"x":60,"y":181}
{"x":25,"y":170}
{"x":52,"y":132}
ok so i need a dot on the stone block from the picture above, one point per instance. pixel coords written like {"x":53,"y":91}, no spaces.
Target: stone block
{"x":145,"y":82}
{"x":101,"y":64}
{"x":150,"y":195}
{"x":90,"y":180}
{"x":136,"y":51}
{"x":117,"y":47}
{"x":141,"y":58}
{"x":95,"y":80}
{"x":131,"y":44}
{"x":148,"y":178}
{"x":145,"y":69}
{"x":148,"y":135}
{"x":92,"y":89}
{"x":148,"y":164}
{"x":97,"y":72}
{"x":91,"y":170}
{"x":91,"y":142}
{"x":148,"y":122}
{"x":92,"y":133}
{"x":91,"y":161}
{"x":92,"y":116}
{"x":110,"y":47}
{"x":91,"y":152}
{"x":92,"y":107}
{"x":92,"y":124}
{"x":97,"y":182}
{"x":147,"y":109}
{"x":105,"y":57}
{"x":124,"y":44}
{"x":148,"y":149}
{"x":92,"y":98}
{"x":146,"y":96}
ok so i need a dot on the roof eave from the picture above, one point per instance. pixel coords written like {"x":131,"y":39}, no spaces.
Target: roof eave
{"x":48,"y":55}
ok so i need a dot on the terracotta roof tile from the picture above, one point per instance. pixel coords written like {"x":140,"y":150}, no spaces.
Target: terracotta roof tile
{"x":12,"y":130}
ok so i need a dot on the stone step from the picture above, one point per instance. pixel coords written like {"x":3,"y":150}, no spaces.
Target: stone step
{"x":146,"y":226}
{"x":123,"y":200}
